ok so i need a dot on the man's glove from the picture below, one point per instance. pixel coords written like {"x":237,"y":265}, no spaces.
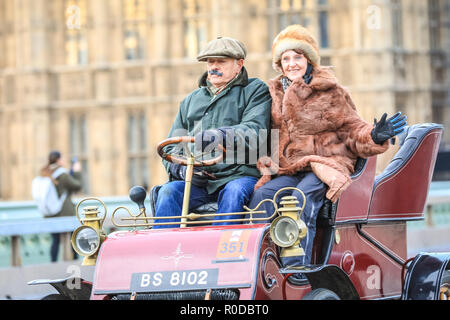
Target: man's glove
{"x":178,"y":172}
{"x":386,"y":129}
{"x":206,"y":137}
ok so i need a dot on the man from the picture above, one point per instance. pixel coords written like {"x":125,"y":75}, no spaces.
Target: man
{"x":227,"y":108}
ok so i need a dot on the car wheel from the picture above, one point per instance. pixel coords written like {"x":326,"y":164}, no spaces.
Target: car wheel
{"x":321,"y":294}
{"x":55,"y":297}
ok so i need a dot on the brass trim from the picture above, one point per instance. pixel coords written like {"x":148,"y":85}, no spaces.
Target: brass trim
{"x":91,"y":212}
{"x":91,"y":220}
{"x":89,"y":259}
{"x":337,"y":237}
{"x":188,"y":219}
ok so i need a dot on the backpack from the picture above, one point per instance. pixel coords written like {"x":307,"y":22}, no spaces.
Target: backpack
{"x":45,"y":194}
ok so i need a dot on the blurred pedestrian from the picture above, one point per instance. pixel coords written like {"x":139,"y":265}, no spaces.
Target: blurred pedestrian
{"x":66,"y":182}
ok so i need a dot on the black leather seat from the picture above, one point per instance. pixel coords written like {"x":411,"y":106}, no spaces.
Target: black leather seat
{"x":409,"y":141}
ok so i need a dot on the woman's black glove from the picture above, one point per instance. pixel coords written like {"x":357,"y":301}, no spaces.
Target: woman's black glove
{"x":178,"y":172}
{"x":386,"y":129}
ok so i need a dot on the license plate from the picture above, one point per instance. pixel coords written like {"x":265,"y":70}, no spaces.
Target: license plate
{"x":174,"y":280}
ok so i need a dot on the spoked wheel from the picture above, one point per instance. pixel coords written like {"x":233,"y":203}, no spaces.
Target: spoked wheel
{"x":445,"y":286}
{"x":321,"y":294}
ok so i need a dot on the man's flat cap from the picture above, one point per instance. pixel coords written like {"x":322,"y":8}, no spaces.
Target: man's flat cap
{"x":223,"y":47}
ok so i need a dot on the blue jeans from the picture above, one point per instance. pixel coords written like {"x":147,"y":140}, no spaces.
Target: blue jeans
{"x":314,"y":190}
{"x":231,"y":198}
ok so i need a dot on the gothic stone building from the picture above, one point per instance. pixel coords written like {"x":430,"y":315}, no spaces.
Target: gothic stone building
{"x":102,"y":79}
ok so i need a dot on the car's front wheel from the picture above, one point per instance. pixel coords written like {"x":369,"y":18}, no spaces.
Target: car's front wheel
{"x":55,"y":297}
{"x":321,"y":294}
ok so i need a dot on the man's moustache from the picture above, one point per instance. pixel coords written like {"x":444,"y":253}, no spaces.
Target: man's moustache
{"x":217,"y":73}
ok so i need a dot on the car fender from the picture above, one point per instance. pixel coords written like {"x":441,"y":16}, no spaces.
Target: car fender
{"x":329,"y":277}
{"x":423,"y":276}
{"x":73,"y":288}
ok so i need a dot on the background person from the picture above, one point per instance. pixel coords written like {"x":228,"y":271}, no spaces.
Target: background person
{"x":64,"y":182}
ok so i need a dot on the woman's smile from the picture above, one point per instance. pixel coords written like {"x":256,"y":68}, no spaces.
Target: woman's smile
{"x":294,"y":64}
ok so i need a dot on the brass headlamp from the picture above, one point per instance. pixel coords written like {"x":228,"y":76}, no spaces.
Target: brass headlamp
{"x":288,"y":229}
{"x":87,"y":238}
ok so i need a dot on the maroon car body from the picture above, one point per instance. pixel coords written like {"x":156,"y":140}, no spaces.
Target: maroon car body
{"x":360,"y":249}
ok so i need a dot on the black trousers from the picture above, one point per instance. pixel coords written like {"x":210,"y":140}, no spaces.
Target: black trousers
{"x":314,"y":190}
{"x":54,"y":248}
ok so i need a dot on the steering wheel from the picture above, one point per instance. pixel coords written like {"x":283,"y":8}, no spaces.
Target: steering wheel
{"x":185,"y":160}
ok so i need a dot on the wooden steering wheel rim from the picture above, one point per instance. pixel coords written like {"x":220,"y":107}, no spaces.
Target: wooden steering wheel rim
{"x":187,"y":139}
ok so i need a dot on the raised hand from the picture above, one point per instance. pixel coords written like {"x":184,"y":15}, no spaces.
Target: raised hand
{"x":386,"y":129}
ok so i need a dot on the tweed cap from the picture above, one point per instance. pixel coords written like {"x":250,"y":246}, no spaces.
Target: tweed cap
{"x":223,"y":47}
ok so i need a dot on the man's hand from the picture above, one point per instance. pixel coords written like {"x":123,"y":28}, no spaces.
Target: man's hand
{"x":76,"y":167}
{"x":199,"y":178}
{"x":206,"y":137}
{"x":386,"y":129}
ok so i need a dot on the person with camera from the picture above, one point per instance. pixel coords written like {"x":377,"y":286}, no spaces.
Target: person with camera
{"x":66,"y":183}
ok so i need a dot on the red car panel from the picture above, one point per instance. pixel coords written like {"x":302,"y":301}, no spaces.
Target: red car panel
{"x":230,"y":254}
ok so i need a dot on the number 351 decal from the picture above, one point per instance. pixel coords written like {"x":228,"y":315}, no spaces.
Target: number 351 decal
{"x":233,"y":244}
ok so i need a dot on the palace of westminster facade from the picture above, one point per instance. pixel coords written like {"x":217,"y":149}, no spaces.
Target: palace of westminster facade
{"x":102,"y":79}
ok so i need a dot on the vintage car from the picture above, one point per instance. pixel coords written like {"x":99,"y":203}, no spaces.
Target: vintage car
{"x":360,"y":248}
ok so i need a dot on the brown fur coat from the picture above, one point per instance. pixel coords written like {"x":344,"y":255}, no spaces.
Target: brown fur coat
{"x":319,"y":130}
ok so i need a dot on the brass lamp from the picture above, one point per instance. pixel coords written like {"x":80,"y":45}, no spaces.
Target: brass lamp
{"x":87,"y":238}
{"x":288,"y":229}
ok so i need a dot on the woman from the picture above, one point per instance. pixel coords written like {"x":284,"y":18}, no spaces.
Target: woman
{"x":64,"y":181}
{"x":320,"y":133}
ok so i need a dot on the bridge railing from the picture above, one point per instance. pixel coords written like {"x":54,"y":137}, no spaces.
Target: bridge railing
{"x":435,"y":198}
{"x":21,"y":219}
{"x":15,"y":230}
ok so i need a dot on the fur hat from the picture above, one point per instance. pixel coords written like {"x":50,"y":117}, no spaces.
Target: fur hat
{"x":295,"y":37}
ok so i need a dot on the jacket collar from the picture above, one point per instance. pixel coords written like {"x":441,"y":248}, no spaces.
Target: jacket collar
{"x":323,"y":79}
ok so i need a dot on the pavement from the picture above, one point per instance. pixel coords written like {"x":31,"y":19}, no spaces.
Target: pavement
{"x":13,"y":280}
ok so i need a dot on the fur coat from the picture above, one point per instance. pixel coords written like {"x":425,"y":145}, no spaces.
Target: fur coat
{"x":319,"y":130}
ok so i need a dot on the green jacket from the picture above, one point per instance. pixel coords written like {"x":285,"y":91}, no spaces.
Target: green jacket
{"x":243,"y":107}
{"x":71,"y":184}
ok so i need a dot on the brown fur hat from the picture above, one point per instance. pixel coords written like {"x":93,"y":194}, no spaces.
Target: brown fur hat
{"x":295,"y":37}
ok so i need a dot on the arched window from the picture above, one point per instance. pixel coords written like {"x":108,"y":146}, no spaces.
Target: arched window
{"x":134,"y":29}
{"x":76,"y":45}
{"x":311,"y":14}
{"x":79,"y":146}
{"x":138,"y":173}
{"x":195,"y":26}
